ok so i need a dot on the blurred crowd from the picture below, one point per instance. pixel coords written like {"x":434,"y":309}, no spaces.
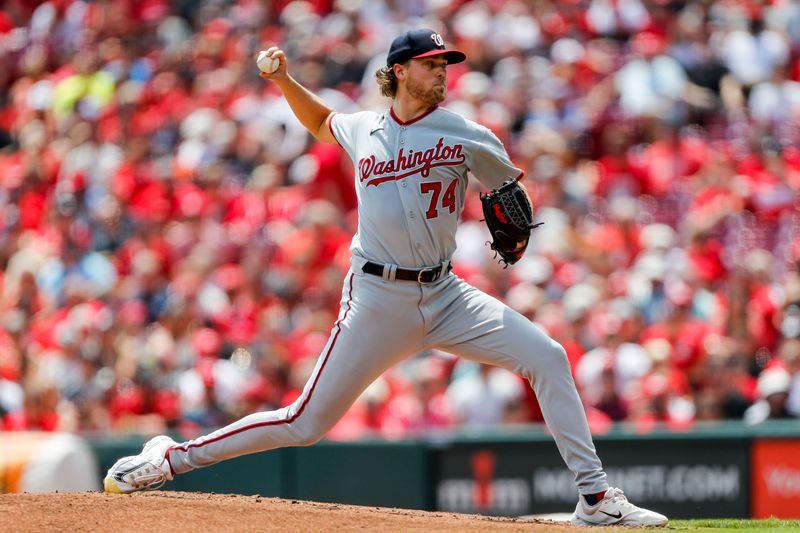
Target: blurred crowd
{"x":172,"y":241}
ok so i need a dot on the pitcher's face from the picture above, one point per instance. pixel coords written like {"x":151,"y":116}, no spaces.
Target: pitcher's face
{"x":426,"y":79}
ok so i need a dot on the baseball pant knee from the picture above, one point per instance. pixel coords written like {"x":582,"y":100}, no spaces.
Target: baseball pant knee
{"x":555,"y":357}
{"x":308,"y":432}
{"x":547,"y":360}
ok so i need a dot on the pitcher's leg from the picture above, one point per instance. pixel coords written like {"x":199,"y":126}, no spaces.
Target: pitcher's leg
{"x":357,"y":352}
{"x":479,"y":327}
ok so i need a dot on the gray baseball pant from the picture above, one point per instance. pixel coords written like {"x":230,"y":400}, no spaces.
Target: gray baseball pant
{"x":382,"y":322}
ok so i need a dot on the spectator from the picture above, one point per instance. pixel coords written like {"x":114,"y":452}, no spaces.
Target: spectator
{"x":773,"y":391}
{"x":163,"y":214}
{"x":485,"y":397}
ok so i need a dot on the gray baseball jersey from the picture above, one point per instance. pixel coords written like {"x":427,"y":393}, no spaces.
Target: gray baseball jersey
{"x":411,"y":179}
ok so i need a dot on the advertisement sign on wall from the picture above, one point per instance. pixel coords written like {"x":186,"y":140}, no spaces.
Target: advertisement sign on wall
{"x":776,"y":478}
{"x":681,"y":478}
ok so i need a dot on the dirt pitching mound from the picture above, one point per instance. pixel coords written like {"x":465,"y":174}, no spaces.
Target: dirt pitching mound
{"x":165,"y":511}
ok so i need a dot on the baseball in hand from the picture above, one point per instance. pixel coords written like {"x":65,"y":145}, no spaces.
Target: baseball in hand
{"x":266,"y":63}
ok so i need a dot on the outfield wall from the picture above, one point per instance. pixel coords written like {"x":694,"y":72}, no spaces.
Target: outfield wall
{"x":727,"y":470}
{"x":46,"y":462}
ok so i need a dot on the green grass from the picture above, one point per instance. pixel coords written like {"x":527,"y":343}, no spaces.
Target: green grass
{"x":738,"y":525}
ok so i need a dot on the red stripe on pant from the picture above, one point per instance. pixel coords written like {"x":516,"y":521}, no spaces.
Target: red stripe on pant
{"x":302,"y":406}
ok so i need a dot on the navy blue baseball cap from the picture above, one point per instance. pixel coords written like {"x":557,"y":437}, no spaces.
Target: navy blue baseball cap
{"x":423,"y":42}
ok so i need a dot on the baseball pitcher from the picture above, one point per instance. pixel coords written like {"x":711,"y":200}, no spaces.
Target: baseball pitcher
{"x":400,"y":296}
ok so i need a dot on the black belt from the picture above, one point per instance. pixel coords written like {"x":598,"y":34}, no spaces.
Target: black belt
{"x":421,"y":275}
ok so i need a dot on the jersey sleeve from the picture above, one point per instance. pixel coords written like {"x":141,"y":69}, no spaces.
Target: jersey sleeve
{"x":490,"y":163}
{"x":344,"y":128}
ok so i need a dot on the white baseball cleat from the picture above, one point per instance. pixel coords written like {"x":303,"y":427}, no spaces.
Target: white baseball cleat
{"x":146,"y":471}
{"x":614,"y":510}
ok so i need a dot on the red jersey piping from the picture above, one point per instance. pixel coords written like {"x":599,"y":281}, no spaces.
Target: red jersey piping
{"x":413,"y":120}
{"x":185,"y":448}
{"x":330,"y":127}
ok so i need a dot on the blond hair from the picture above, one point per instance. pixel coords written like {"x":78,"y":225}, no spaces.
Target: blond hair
{"x":387,"y":81}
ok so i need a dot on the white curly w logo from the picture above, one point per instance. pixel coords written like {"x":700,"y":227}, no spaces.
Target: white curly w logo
{"x":437,"y":39}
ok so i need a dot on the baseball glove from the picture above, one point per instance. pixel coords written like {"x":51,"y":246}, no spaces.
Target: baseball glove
{"x":509,"y":216}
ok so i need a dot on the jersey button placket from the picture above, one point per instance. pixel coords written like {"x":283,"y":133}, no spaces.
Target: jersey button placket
{"x":402,"y":140}
{"x":403,"y":189}
{"x":403,"y":182}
